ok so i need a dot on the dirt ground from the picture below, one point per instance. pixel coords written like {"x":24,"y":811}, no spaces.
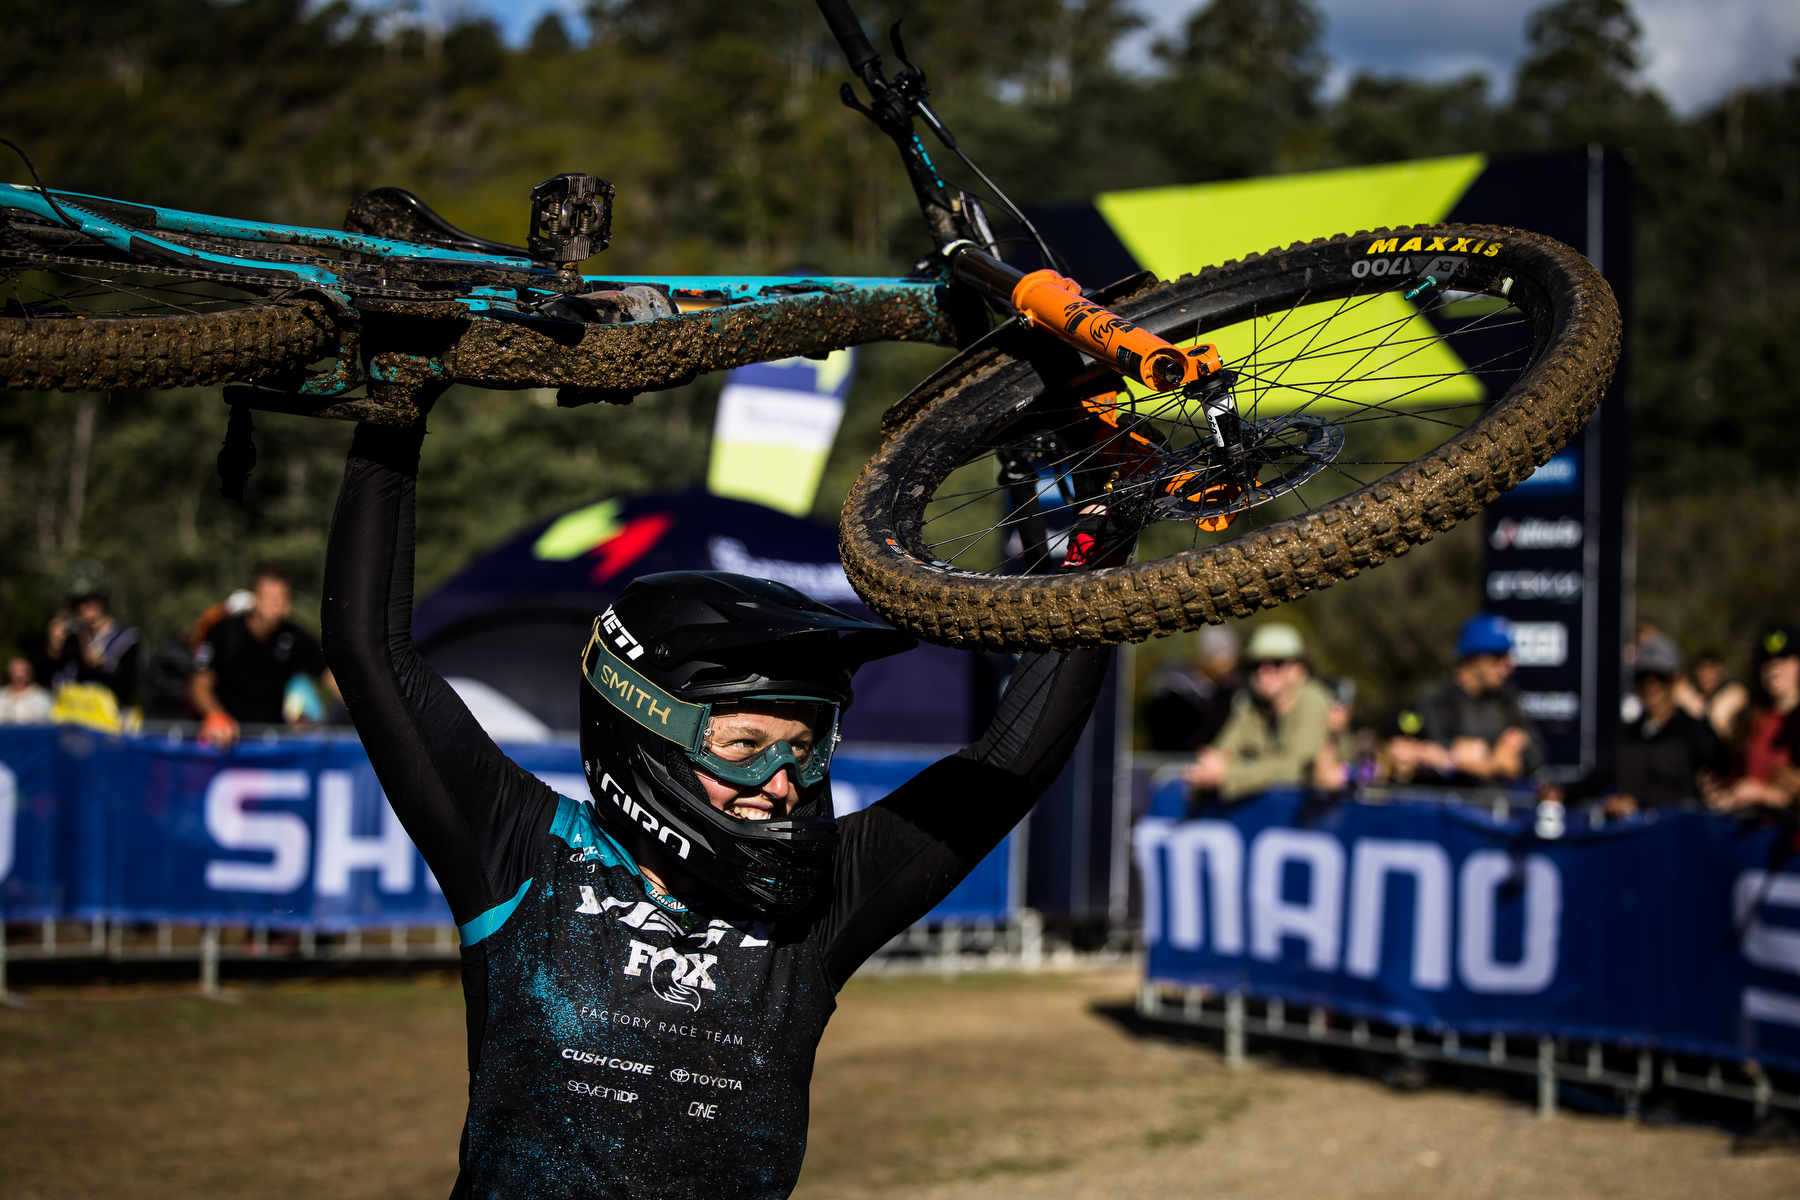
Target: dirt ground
{"x":987,"y":1086}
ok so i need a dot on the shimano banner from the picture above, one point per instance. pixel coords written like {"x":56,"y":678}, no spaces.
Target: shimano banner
{"x":1670,"y":933}
{"x":292,"y":832}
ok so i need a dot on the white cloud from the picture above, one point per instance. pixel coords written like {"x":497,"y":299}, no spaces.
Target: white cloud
{"x":1696,"y":50}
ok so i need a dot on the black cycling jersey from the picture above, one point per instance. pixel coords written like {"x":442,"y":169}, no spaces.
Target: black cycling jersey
{"x":622,"y":1042}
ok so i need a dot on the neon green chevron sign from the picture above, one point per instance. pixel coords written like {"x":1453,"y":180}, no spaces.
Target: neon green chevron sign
{"x":1177,"y":230}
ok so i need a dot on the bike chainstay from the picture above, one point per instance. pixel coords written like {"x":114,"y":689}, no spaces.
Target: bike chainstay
{"x":345,"y":282}
{"x":158,"y":248}
{"x":8,"y":258}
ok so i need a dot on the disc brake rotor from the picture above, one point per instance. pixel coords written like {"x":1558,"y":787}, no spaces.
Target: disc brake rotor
{"x":1278,"y":454}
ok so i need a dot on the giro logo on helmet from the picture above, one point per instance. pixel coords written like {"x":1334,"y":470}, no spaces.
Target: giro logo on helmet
{"x":645,"y":818}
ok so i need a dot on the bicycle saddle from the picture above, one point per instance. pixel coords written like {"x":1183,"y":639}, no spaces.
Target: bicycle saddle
{"x":392,"y":212}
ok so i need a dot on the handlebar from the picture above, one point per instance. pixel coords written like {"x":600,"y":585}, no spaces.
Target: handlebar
{"x":950,"y":214}
{"x":849,"y":34}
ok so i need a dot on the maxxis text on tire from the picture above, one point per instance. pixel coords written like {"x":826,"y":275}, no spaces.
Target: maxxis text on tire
{"x":1576,"y":326}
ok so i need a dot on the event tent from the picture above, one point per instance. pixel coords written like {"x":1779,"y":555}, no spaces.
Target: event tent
{"x":507,"y":629}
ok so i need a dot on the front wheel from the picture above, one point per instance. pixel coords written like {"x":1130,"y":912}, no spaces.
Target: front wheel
{"x":1379,"y":388}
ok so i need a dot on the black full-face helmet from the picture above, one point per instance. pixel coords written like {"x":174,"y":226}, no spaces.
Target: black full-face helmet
{"x":670,"y":651}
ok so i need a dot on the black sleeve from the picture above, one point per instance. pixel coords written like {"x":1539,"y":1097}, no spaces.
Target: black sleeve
{"x":1709,"y":751}
{"x":123,"y":679}
{"x":474,"y":814}
{"x":311,"y":658}
{"x":1437,"y":724}
{"x":900,"y":857}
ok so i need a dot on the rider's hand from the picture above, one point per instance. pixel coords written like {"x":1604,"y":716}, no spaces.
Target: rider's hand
{"x":219,"y":730}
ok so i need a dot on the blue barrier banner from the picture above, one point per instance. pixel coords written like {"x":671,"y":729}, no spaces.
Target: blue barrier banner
{"x":293,"y":832}
{"x":860,"y":776}
{"x":1670,"y":933}
{"x":31,"y":809}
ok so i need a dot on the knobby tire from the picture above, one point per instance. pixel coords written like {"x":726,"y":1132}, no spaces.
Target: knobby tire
{"x":891,"y":562}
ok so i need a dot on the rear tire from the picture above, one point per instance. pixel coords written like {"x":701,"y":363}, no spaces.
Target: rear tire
{"x":94,"y":354}
{"x":1567,"y":327}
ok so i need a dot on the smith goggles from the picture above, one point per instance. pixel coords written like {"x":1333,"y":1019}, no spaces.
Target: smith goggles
{"x":732,"y":745}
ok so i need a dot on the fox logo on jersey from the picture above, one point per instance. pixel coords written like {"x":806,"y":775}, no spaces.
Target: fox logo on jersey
{"x":688,"y":973}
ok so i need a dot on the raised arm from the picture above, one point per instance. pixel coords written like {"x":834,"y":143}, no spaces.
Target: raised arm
{"x":473,"y":813}
{"x":900,"y":857}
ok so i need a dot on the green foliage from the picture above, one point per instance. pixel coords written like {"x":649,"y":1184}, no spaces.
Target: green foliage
{"x":721,"y":124}
{"x":1717,"y":567}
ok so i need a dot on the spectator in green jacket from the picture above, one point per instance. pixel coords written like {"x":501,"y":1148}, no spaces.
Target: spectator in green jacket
{"x":1278,"y":727}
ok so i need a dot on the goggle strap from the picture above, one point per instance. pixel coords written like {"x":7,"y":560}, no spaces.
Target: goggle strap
{"x":637,"y":697}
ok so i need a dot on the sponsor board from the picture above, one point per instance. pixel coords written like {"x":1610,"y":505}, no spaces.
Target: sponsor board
{"x":1563,"y":587}
{"x":1535,"y":533}
{"x":1551,"y":706}
{"x":1540,"y":643}
{"x":1665,"y":929}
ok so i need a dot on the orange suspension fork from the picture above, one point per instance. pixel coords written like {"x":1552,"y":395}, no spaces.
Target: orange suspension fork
{"x":1054,"y":304}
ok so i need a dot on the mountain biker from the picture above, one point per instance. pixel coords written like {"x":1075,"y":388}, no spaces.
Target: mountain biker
{"x":647,"y":975}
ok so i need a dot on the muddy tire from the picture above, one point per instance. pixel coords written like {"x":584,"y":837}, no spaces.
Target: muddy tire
{"x":1558,"y":307}
{"x":93,"y":354}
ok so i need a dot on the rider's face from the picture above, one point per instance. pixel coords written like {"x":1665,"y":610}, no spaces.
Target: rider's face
{"x":753,"y":725}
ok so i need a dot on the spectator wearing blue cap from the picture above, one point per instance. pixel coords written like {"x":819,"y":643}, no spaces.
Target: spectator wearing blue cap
{"x":1472,"y":716}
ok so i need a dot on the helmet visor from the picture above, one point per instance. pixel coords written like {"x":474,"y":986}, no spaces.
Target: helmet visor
{"x":747,"y":743}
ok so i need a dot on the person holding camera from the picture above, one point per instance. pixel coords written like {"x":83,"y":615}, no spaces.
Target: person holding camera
{"x":86,"y":645}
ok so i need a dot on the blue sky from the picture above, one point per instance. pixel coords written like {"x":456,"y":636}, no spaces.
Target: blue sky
{"x":1697,"y":49}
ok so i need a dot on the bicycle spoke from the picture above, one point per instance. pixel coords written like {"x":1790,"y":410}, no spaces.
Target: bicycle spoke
{"x":1315,"y":370}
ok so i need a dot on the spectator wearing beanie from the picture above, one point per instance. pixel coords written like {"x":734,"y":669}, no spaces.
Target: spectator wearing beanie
{"x":1278,"y":723}
{"x":1662,"y":753}
{"x":1188,"y":703}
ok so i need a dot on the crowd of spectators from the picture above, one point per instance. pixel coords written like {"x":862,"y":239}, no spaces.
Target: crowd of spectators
{"x":1254,"y":718}
{"x":1688,"y":738}
{"x":246,"y":662}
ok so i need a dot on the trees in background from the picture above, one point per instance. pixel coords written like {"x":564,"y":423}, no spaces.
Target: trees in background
{"x":720,"y":123}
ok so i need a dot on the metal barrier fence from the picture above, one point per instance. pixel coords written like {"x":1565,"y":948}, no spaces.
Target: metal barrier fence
{"x":1630,"y":1072}
{"x":947,"y":947}
{"x":211,"y":943}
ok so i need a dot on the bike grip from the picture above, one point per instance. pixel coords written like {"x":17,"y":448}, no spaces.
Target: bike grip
{"x":849,"y":34}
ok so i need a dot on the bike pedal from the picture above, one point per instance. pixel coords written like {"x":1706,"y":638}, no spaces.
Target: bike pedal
{"x":571,"y":219}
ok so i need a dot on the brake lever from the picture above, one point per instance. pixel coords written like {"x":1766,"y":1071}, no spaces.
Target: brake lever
{"x":909,"y":69}
{"x":909,"y":82}
{"x":847,"y":94}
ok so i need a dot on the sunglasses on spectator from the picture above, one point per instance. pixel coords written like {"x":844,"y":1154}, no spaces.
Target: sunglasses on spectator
{"x":1275,"y":663}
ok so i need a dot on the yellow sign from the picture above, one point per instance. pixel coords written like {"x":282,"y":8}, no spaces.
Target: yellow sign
{"x":1175,"y":231}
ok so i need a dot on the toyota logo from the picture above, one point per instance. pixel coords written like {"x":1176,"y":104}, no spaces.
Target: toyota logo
{"x":679,"y":1075}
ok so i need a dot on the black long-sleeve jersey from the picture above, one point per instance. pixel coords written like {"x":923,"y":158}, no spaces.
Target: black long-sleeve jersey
{"x":612,"y":1053}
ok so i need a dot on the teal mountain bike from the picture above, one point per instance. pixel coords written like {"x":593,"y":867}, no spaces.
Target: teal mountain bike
{"x":1207,"y":446}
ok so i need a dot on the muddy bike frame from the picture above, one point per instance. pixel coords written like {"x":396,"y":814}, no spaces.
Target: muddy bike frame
{"x":495,"y":321}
